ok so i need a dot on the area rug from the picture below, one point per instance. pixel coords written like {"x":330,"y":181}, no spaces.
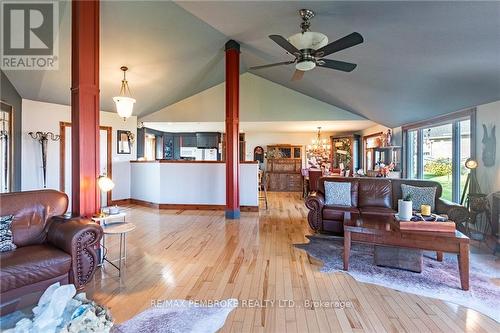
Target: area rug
{"x":180,"y":316}
{"x":438,"y":279}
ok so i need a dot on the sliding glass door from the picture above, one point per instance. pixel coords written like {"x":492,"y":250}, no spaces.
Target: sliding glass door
{"x":437,"y":150}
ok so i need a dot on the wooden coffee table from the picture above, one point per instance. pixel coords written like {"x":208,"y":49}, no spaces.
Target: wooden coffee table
{"x":383,"y":230}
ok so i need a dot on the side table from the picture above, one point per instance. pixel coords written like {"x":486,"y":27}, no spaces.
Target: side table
{"x":117,"y":228}
{"x":103,"y":221}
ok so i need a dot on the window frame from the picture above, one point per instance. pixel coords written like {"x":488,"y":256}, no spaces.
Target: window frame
{"x":454,"y":119}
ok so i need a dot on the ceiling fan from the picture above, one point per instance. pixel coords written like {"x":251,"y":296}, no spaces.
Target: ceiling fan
{"x":310,"y":47}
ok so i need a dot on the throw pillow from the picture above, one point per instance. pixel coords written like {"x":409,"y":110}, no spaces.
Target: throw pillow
{"x":420,"y":195}
{"x":338,"y":193}
{"x":6,"y":243}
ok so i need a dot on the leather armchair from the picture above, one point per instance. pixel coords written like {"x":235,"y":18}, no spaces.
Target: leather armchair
{"x":77,"y":237}
{"x":50,"y":247}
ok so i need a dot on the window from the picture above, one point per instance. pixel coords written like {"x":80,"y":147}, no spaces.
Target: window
{"x":436,"y":150}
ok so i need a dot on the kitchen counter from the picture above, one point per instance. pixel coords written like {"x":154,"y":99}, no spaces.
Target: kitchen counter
{"x":190,"y":184}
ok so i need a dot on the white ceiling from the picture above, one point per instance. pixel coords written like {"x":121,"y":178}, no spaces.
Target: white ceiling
{"x":419,"y":59}
{"x":263,"y":126}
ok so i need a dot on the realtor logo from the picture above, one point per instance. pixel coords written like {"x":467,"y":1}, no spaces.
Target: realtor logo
{"x":29,"y":31}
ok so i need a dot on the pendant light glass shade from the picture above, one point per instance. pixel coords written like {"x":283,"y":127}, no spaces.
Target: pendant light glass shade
{"x":124,"y":103}
{"x":124,"y":106}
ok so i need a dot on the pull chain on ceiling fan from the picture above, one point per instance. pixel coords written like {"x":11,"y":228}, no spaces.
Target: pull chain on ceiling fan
{"x":310,"y":47}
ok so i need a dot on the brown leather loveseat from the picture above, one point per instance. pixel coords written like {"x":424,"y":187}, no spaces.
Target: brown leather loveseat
{"x":369,"y":196}
{"x":50,"y":247}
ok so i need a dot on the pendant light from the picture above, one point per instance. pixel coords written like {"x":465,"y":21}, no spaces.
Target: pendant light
{"x":124,"y":102}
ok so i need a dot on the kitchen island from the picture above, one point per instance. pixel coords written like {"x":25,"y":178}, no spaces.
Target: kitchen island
{"x":178,"y":184}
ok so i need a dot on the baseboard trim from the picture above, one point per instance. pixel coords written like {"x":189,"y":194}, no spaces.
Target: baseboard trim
{"x":180,"y":206}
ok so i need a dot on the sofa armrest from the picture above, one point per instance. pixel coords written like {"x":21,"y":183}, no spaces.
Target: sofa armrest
{"x":77,"y":237}
{"x":315,"y":203}
{"x":457,"y":213}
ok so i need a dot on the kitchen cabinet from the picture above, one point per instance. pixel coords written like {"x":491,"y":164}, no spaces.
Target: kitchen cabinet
{"x":188,"y":140}
{"x":207,"y":140}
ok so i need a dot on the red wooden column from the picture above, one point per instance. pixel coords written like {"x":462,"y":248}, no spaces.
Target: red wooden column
{"x":85,"y":106}
{"x":232,"y":129}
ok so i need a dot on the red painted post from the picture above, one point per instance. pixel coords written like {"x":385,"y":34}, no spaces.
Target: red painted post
{"x":232,"y":129}
{"x":85,"y":107}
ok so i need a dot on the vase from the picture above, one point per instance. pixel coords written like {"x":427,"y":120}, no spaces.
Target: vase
{"x":405,"y":210}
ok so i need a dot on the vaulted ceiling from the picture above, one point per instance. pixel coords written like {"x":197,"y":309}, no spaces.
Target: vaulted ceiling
{"x":419,"y":59}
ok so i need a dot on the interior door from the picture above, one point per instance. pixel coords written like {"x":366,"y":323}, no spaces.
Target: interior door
{"x":104,"y":161}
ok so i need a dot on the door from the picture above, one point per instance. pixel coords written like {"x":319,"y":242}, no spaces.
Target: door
{"x":105,"y":155}
{"x":5,"y":148}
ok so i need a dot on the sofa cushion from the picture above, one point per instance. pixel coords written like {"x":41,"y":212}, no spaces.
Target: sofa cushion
{"x":336,"y":213}
{"x":377,"y":211}
{"x":338,"y":193}
{"x":6,"y":243}
{"x":420,"y":196}
{"x":397,"y":193}
{"x":352,"y":181}
{"x":31,"y":264}
{"x":375,"y":193}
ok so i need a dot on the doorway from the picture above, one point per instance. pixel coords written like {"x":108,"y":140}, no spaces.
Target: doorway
{"x":6,"y":147}
{"x":105,"y":158}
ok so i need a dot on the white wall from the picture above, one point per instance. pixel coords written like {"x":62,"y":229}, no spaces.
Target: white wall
{"x":45,"y":117}
{"x":488,"y":177}
{"x":191,"y":183}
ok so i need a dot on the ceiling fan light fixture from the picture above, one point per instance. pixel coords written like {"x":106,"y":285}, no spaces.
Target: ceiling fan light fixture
{"x":308,"y":40}
{"x":305,"y":65}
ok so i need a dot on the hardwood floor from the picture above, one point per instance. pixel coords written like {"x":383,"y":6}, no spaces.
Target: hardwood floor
{"x":199,"y":255}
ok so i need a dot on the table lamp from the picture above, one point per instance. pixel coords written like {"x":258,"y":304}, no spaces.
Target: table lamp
{"x":105,"y":185}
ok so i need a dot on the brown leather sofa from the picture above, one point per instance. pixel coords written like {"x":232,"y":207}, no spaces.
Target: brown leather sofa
{"x":50,"y":248}
{"x":369,"y":196}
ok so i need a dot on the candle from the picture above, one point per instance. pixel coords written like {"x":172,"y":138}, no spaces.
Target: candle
{"x":425,"y":210}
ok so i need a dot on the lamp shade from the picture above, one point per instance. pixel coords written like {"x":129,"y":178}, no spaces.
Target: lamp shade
{"x":124,"y":105}
{"x":105,"y":184}
{"x":471,"y":163}
{"x":308,"y":40}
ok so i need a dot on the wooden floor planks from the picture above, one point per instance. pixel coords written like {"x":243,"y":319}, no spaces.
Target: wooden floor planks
{"x":199,"y":255}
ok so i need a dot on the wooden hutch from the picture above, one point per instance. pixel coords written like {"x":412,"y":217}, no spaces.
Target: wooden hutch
{"x":284,"y":164}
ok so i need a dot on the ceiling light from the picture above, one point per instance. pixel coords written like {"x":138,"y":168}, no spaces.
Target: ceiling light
{"x":124,"y":102}
{"x":308,"y":40}
{"x":305,"y":65}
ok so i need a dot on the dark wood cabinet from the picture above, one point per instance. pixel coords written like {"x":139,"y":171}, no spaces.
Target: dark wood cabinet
{"x":284,"y":174}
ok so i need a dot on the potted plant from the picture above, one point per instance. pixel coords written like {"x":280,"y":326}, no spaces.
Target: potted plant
{"x":405,"y":210}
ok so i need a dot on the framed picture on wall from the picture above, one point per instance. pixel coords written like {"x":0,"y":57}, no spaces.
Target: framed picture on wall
{"x":123,"y":141}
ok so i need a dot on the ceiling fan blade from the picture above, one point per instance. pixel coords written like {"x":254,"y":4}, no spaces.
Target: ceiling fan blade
{"x":340,"y":44}
{"x":338,"y":65}
{"x":297,"y":75}
{"x":281,"y":41}
{"x":272,"y":65}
